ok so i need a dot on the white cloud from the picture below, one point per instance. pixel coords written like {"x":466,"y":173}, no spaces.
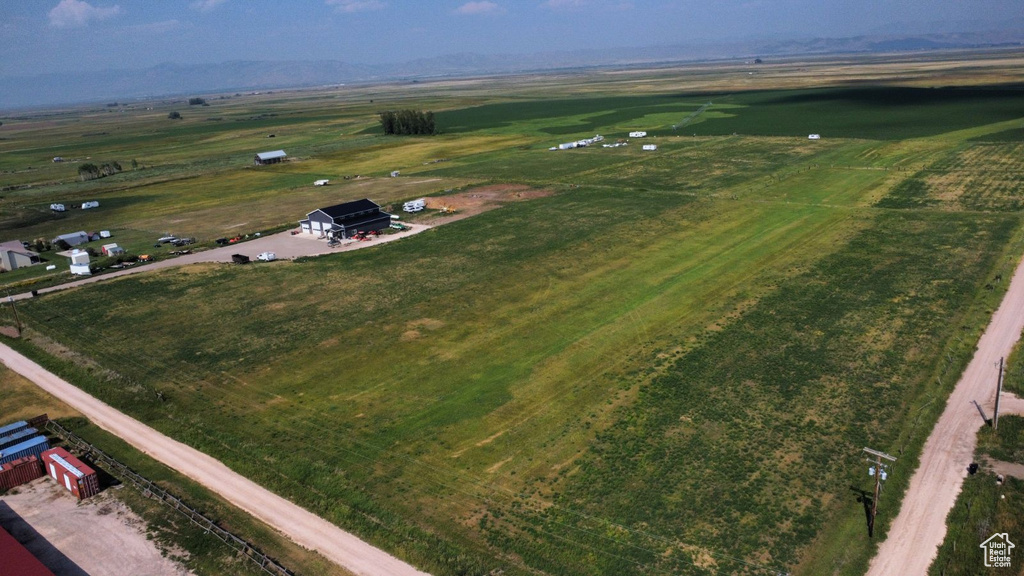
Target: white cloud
{"x":356,"y":5}
{"x":207,"y":5}
{"x":481,"y":7}
{"x":77,"y":13}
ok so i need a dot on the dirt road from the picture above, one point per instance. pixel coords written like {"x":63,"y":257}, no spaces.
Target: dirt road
{"x":920,"y":527}
{"x":303,"y":527}
{"x":284,"y":245}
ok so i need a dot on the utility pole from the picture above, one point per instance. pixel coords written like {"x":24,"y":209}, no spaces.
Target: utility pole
{"x":999,"y":392}
{"x":14,"y":309}
{"x":875,"y":457}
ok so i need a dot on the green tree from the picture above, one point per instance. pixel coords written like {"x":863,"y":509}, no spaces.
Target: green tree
{"x":88,"y":171}
{"x":174,"y":116}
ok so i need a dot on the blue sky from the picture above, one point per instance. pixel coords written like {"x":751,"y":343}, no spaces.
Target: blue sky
{"x":42,"y":36}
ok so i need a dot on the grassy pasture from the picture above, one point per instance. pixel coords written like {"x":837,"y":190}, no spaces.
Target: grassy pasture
{"x":667,"y":366}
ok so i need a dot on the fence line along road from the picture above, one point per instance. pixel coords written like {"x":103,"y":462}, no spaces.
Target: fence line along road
{"x":151,"y":490}
{"x":303,"y":527}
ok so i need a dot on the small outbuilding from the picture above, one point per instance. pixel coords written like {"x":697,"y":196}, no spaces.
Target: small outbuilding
{"x":112,"y":249}
{"x":14,"y":255}
{"x":264,"y":158}
{"x":345,"y":220}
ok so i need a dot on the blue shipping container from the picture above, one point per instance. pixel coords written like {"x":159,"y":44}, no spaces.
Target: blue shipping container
{"x":12,"y":428}
{"x":33,"y":447}
{"x":17,"y":438}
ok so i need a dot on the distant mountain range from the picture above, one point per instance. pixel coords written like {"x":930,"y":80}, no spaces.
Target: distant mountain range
{"x":192,"y":79}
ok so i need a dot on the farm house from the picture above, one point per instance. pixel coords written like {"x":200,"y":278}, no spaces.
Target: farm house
{"x":14,"y":255}
{"x":344,"y":220}
{"x":264,"y":158}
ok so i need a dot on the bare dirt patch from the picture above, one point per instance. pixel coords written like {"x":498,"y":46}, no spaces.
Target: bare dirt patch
{"x":72,"y":537}
{"x":482,"y":199}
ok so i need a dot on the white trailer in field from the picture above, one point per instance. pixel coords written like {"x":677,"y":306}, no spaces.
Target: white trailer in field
{"x":320,"y":182}
{"x":638,"y":134}
{"x":650,"y":146}
{"x":415,"y":205}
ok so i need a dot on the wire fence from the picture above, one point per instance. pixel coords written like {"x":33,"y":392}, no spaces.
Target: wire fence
{"x":151,"y":490}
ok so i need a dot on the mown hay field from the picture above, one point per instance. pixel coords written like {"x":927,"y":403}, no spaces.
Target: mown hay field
{"x":667,"y":365}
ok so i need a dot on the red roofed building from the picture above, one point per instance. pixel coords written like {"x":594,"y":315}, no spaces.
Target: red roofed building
{"x":16,"y":560}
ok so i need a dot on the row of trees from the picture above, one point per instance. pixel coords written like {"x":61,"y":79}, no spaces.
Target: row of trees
{"x":89,"y":171}
{"x":408,"y":122}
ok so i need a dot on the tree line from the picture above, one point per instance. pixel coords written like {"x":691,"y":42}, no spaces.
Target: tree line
{"x":90,"y":171}
{"x":407,"y":122}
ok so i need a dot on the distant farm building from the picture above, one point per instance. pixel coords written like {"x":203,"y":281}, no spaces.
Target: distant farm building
{"x":73,"y":239}
{"x":814,"y":136}
{"x":638,"y":134}
{"x":345,"y":220}
{"x":14,"y":255}
{"x":264,"y":158}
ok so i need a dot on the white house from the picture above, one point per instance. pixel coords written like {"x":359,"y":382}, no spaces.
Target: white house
{"x":80,"y":263}
{"x":638,"y":134}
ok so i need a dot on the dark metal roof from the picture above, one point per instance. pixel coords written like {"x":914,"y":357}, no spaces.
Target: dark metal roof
{"x":340,"y":211}
{"x":357,"y":221}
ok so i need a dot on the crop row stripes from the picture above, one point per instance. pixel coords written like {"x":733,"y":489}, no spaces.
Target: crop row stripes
{"x":151,"y":490}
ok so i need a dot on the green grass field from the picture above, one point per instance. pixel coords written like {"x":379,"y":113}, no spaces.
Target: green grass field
{"x":668,"y":365}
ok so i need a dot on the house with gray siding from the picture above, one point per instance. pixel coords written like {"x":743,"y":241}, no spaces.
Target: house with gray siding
{"x":344,"y":220}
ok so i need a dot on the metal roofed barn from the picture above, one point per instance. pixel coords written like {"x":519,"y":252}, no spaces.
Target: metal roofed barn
{"x":273,"y":157}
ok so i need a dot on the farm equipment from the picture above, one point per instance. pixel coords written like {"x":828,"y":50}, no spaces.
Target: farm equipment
{"x":145,"y":258}
{"x":445,"y":209}
{"x":239,"y":258}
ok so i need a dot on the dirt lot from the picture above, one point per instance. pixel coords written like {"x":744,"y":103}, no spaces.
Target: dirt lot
{"x":477,"y":200}
{"x":96,"y":537}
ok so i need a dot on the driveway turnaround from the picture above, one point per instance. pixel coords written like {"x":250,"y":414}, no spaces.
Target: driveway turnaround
{"x":285,"y":245}
{"x":303,"y":527}
{"x":916,"y":534}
